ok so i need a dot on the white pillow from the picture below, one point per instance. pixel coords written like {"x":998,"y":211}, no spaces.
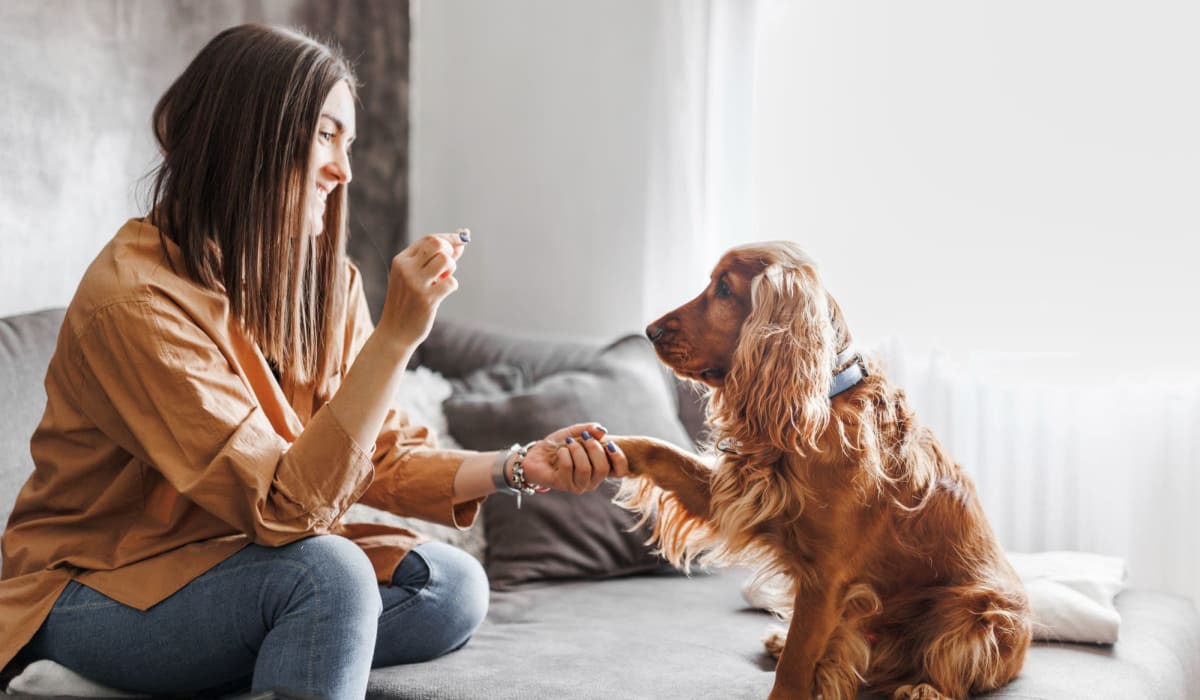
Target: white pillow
{"x":420,"y":396}
{"x":46,"y":677}
{"x":1071,"y":594}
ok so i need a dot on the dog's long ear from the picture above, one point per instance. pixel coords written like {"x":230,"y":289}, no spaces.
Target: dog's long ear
{"x":781,"y":373}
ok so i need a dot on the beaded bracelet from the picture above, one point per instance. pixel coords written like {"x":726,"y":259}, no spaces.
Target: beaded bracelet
{"x":518,"y":486}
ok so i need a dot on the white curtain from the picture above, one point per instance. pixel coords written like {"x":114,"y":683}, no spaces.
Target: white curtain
{"x":1083,"y":463}
{"x":698,"y":173}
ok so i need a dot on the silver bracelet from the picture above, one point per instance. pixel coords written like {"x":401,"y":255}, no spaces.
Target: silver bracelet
{"x":499,"y":478}
{"x":519,"y":485}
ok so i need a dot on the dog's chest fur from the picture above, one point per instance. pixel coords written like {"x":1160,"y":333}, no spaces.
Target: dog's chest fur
{"x":794,"y":511}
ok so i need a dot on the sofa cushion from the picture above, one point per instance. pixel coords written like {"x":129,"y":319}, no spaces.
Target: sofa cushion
{"x":561,"y":535}
{"x":26,"y":344}
{"x":457,"y":349}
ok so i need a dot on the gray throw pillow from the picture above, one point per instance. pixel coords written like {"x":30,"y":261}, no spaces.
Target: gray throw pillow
{"x":561,"y":535}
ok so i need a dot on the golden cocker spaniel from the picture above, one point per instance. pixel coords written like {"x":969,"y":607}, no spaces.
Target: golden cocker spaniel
{"x":825,"y":480}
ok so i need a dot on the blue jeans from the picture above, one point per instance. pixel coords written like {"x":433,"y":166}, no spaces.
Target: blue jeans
{"x":308,"y":617}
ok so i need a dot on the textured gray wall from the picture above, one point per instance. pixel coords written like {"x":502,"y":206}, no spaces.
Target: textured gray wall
{"x":374,"y":34}
{"x":80,"y":78}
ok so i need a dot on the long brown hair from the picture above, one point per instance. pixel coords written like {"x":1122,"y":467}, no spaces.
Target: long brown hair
{"x":236,"y":130}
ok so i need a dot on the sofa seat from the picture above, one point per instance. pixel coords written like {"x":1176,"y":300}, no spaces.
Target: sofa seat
{"x":674,"y":637}
{"x":647,"y":636}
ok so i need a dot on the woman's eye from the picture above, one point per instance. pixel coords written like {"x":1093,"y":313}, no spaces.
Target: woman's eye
{"x":326,"y":136}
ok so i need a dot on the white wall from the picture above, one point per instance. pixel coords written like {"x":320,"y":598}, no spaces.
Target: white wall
{"x":1018,"y":176}
{"x":530,"y":126}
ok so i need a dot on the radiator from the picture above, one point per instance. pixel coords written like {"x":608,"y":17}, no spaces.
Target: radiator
{"x":1070,"y":460}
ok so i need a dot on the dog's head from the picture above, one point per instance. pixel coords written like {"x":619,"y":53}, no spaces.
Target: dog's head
{"x":764,"y":334}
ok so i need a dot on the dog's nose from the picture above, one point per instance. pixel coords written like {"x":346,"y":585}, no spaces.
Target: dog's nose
{"x":654,"y":332}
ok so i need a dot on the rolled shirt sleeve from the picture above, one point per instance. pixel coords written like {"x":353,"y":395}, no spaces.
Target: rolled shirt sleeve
{"x":414,"y":478}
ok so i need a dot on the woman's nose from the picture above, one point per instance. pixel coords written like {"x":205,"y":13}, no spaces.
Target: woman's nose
{"x":340,"y":167}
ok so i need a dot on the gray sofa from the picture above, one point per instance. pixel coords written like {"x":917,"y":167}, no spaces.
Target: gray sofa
{"x":634,"y":629}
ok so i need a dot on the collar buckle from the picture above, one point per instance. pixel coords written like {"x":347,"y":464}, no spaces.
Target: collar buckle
{"x":852,"y":374}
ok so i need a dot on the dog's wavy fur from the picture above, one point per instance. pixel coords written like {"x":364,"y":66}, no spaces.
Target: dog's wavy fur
{"x":883,"y":559}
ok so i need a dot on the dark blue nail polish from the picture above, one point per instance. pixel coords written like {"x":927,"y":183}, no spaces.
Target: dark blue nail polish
{"x":612,"y":446}
{"x":586,"y":435}
{"x":464,"y":235}
{"x":570,"y":441}
{"x":601,"y":428}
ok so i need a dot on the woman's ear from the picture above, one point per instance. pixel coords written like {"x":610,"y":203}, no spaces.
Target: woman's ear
{"x":782,"y":370}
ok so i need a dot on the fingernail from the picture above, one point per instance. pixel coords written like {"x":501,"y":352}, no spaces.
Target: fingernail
{"x":601,"y":428}
{"x":586,"y":435}
{"x":612,"y":446}
{"x":464,"y":235}
{"x":570,"y":441}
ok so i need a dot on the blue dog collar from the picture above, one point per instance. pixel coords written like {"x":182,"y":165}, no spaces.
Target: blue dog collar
{"x":847,"y":378}
{"x":852,"y":375}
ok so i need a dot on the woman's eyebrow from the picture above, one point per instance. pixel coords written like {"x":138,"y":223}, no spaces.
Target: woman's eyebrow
{"x":341,"y":127}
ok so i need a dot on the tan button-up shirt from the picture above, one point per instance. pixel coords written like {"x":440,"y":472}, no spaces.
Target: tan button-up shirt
{"x":167,"y":446}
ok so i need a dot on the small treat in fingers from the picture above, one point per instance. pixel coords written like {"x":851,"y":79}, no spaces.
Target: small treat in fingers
{"x":464,"y":235}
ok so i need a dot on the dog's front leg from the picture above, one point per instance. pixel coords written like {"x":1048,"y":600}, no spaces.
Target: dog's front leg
{"x":671,"y":469}
{"x":815,"y":615}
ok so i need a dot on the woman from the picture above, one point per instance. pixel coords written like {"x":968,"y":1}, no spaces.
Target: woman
{"x":218,"y":399}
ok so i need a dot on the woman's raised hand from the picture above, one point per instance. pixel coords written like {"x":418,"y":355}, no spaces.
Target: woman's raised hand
{"x":576,"y":459}
{"x":422,"y":275}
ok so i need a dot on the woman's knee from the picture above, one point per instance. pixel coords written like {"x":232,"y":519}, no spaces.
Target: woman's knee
{"x":440,"y":617}
{"x":338,"y":572}
{"x":460,"y":582}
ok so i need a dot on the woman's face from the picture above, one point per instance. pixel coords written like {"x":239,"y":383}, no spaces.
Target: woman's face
{"x":329,"y":162}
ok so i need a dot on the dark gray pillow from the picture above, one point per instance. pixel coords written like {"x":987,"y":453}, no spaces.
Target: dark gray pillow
{"x":560,"y":535}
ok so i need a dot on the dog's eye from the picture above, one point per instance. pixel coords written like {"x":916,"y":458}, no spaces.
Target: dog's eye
{"x":723,"y":290}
